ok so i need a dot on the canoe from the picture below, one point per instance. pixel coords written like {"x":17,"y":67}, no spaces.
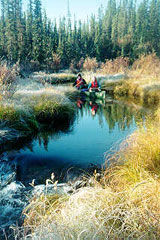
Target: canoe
{"x":99,"y":95}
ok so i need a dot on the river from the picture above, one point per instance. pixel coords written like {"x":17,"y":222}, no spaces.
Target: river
{"x":98,"y":127}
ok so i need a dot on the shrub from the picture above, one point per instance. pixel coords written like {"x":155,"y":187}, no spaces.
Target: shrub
{"x":34,"y":65}
{"x":117,"y":65}
{"x":90,"y":64}
{"x":80,"y":64}
{"x":8,"y":80}
{"x":55,"y":62}
{"x":75,"y":66}
{"x":147,"y":64}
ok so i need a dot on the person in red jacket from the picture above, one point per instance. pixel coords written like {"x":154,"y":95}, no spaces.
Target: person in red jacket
{"x":94,"y":85}
{"x":80,"y":83}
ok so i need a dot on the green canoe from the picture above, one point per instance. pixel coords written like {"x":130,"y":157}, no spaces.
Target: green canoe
{"x":100,"y":95}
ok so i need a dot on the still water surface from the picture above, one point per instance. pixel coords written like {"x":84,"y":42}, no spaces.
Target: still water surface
{"x":97,"y":128}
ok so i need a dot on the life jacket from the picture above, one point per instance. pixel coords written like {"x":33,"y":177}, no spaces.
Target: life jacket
{"x":79,"y":82}
{"x":94,"y":84}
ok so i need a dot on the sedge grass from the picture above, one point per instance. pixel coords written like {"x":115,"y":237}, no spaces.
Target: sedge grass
{"x":139,"y":158}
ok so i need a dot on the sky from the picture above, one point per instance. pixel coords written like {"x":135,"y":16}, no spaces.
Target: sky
{"x":80,"y":8}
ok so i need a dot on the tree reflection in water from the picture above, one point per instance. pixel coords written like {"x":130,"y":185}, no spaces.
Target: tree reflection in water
{"x":115,"y":113}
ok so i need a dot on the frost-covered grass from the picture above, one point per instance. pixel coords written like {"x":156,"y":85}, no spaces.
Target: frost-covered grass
{"x":97,"y":213}
{"x":54,"y":78}
{"x":35,"y":106}
{"x":31,"y":110}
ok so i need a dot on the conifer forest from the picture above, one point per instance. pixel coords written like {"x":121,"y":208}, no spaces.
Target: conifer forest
{"x":125,"y":28}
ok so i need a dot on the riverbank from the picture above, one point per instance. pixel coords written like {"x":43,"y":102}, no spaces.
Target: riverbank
{"x":54,"y":78}
{"x":142,"y":81}
{"x":32,"y":111}
{"x":123,"y":201}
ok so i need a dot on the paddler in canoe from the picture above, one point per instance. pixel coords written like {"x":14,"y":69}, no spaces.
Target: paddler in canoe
{"x":94,"y":86}
{"x":80,"y":83}
{"x":95,"y":90}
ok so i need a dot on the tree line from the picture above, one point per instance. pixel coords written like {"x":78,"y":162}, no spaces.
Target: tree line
{"x":124,"y":28}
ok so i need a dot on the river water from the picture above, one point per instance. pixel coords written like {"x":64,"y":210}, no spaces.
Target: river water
{"x":98,"y":127}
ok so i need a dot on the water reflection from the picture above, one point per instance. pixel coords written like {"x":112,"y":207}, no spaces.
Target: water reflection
{"x":43,"y":137}
{"x":115,"y":113}
{"x":122,"y":115}
{"x":93,"y":105}
{"x":79,"y":143}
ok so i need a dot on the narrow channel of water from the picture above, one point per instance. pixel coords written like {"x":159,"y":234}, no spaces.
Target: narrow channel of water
{"x":98,"y":127}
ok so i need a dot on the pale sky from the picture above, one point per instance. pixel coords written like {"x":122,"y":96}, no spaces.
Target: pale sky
{"x":80,"y":8}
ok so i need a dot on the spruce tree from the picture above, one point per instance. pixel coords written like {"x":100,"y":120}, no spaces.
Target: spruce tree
{"x":37,"y":32}
{"x":29,"y":30}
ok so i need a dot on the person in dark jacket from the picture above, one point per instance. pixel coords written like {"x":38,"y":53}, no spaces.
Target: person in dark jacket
{"x":80,"y":83}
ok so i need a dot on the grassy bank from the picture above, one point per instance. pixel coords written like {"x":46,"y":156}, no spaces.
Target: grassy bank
{"x":142,"y":82}
{"x":33,"y":113}
{"x":55,"y":78}
{"x":29,"y":106}
{"x":123,"y":204}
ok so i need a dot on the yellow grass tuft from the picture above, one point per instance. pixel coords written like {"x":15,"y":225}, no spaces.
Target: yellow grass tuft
{"x":139,"y":157}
